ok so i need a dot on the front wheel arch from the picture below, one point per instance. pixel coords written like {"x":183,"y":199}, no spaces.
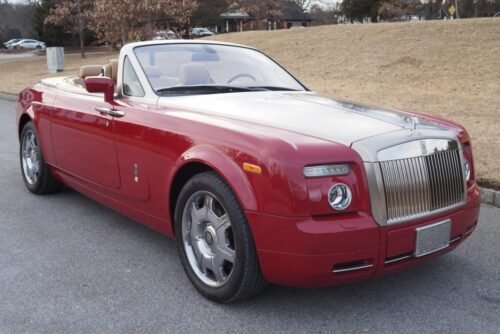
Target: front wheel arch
{"x":183,"y":175}
{"x":22,"y":122}
{"x":205,"y":158}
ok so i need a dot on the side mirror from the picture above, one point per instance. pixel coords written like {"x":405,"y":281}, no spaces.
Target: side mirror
{"x":101,"y":85}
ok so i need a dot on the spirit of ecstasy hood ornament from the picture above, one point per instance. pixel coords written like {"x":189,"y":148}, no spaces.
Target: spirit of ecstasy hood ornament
{"x":412,"y":122}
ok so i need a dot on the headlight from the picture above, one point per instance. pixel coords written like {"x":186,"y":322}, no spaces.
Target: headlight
{"x":326,"y":170}
{"x":467,"y":170}
{"x":339,"y":196}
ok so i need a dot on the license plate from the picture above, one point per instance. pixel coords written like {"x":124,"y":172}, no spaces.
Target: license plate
{"x":432,"y":238}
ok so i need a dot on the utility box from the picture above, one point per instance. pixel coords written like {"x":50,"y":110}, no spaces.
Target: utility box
{"x":55,"y":59}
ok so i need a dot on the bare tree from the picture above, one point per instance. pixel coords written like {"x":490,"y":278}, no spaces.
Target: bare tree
{"x":304,"y":4}
{"x":73,"y":16}
{"x":122,"y":20}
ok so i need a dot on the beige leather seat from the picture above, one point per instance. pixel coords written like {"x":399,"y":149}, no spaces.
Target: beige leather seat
{"x":106,"y":71}
{"x":87,"y":71}
{"x":194,"y":74}
{"x":114,"y":69}
{"x":110,"y":70}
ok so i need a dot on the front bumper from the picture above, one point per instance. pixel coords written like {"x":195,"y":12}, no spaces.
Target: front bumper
{"x":326,"y":251}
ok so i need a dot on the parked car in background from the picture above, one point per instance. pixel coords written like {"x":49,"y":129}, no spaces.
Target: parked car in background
{"x":9,"y":42}
{"x":201,"y":32}
{"x":165,"y":35}
{"x":497,"y":15}
{"x":26,"y":44}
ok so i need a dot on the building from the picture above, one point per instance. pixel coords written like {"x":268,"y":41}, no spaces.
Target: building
{"x":238,"y":20}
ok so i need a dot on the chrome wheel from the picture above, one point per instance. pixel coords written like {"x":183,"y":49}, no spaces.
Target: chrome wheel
{"x":208,"y":239}
{"x":30,"y":157}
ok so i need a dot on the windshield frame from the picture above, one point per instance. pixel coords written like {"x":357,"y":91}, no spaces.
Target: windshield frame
{"x":157,"y":93}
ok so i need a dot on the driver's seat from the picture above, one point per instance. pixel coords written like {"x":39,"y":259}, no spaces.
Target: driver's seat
{"x":194,"y":74}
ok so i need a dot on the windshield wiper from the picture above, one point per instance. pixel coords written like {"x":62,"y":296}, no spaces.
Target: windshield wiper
{"x":274,"y":88}
{"x":216,"y":89}
{"x":202,"y":89}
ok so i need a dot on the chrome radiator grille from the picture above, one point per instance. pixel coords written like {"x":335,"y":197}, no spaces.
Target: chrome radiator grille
{"x":420,"y":185}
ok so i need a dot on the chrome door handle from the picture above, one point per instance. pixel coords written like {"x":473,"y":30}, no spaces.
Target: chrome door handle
{"x":110,"y":112}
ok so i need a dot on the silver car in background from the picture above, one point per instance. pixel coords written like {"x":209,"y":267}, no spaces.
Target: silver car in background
{"x":26,"y":44}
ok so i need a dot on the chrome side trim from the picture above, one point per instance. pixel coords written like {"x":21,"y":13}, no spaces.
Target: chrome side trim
{"x":397,"y":259}
{"x":355,"y":268}
{"x":431,"y":252}
{"x":471,"y":230}
{"x":411,"y":256}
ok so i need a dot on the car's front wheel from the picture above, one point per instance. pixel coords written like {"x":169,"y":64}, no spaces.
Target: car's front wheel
{"x":36,"y":173}
{"x":215,"y":244}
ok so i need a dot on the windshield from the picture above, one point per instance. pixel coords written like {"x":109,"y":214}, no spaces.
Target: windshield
{"x":171,"y":68}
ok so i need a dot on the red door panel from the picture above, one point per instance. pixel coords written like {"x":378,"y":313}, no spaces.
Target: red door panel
{"x":83,"y":140}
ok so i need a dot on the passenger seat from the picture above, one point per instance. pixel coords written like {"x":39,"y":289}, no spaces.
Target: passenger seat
{"x":194,"y":74}
{"x":87,"y":71}
{"x":110,"y":70}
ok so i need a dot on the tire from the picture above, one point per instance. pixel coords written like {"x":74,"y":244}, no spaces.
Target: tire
{"x":214,"y":241}
{"x":36,"y":173}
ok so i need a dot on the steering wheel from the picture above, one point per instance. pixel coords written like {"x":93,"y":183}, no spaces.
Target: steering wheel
{"x":241,"y":75}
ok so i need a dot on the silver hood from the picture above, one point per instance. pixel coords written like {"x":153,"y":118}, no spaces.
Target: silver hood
{"x":305,"y":113}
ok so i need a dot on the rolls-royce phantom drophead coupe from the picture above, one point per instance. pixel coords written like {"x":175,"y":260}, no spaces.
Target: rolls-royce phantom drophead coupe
{"x":259,"y":179}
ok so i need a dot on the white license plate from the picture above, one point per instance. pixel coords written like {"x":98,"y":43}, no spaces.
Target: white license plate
{"x":432,"y":238}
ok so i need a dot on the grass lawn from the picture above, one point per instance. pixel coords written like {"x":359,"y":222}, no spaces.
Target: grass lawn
{"x":446,"y":68}
{"x":16,"y":75}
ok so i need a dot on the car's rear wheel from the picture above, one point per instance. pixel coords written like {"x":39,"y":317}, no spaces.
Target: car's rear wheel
{"x":36,"y":173}
{"x":214,"y":241}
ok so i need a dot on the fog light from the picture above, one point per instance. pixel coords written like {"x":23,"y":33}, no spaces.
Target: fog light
{"x":339,"y":196}
{"x":467,"y":170}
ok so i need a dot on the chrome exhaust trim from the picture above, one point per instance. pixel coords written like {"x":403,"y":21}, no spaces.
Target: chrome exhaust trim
{"x":409,"y":256}
{"x":352,"y":268}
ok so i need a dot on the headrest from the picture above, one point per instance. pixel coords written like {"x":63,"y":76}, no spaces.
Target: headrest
{"x":205,"y":56}
{"x":114,"y":69}
{"x":90,"y":71}
{"x":152,"y":72}
{"x":194,"y":74}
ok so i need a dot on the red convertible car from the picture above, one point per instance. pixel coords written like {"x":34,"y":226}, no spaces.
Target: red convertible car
{"x":259,"y":179}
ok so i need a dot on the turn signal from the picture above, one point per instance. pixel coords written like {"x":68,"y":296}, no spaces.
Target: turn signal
{"x":251,"y":168}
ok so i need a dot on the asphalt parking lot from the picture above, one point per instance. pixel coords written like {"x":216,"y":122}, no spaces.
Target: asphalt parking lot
{"x":70,"y":265}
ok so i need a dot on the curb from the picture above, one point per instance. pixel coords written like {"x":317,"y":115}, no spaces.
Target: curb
{"x":488,"y":196}
{"x":8,"y":97}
